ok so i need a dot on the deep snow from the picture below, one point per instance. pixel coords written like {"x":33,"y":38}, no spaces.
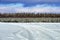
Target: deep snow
{"x":29,"y":31}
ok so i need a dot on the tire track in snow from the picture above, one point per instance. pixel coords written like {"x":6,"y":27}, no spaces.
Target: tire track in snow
{"x":34,"y":32}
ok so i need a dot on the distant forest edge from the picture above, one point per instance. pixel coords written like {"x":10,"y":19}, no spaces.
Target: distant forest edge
{"x":28,"y":15}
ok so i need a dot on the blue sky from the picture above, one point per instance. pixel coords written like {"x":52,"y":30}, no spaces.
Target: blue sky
{"x":14,"y":6}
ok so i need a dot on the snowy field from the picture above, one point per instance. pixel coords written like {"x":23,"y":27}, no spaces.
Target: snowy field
{"x":29,"y":31}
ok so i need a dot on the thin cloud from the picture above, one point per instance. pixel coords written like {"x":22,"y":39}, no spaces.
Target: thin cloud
{"x":18,"y":8}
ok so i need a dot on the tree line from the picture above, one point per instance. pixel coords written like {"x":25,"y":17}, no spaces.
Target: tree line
{"x":28,"y":15}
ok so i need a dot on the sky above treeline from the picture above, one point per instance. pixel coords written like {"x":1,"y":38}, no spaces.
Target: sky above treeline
{"x":41,"y":6}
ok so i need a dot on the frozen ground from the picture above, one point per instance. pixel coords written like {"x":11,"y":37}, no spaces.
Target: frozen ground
{"x":29,"y":31}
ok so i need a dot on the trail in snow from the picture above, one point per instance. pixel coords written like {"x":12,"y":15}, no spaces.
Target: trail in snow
{"x":29,"y":31}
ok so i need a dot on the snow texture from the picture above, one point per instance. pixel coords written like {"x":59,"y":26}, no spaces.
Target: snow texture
{"x":29,"y":31}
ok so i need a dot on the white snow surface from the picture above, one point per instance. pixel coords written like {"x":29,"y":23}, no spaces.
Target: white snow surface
{"x":29,"y":31}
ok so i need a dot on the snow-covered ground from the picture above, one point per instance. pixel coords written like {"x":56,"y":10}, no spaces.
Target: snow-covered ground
{"x":29,"y":31}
